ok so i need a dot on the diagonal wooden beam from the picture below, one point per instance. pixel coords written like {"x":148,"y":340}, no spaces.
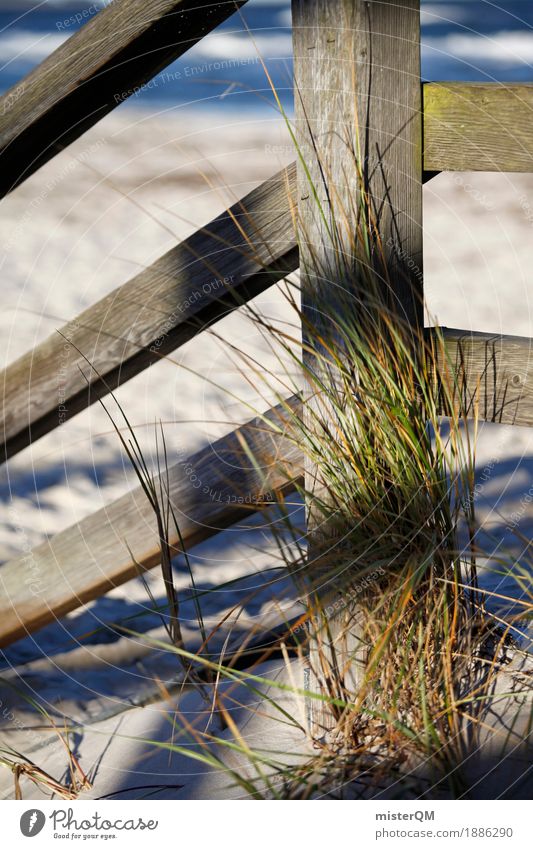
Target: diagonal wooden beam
{"x":210,"y":491}
{"x":100,"y":66}
{"x":235,"y":257}
{"x":238,"y":255}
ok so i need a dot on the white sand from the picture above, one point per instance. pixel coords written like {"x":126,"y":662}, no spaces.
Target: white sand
{"x":73,"y":232}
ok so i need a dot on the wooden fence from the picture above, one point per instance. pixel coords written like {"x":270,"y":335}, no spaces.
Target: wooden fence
{"x":420,"y":130}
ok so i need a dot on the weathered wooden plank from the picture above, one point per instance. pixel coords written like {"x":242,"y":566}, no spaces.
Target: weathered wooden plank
{"x":478,"y":127}
{"x":100,"y":66}
{"x":212,"y":490}
{"x":493,"y":375}
{"x":235,"y":257}
{"x":359,"y":130}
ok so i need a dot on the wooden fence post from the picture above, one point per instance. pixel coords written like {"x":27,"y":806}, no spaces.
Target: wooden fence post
{"x":357,"y":112}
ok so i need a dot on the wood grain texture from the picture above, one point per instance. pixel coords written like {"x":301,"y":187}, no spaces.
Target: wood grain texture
{"x":359,"y":130}
{"x":121,"y":48}
{"x":212,"y":490}
{"x":358,"y":113}
{"x":478,"y":127}
{"x":235,"y":257}
{"x":493,"y":375}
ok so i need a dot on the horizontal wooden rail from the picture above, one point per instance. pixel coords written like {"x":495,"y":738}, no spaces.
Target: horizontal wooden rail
{"x":493,"y":375}
{"x":478,"y":127}
{"x":85,"y":561}
{"x":235,"y":257}
{"x":100,"y":66}
{"x":212,"y":490}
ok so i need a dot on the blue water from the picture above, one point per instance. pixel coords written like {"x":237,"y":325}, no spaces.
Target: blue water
{"x":462,"y":39}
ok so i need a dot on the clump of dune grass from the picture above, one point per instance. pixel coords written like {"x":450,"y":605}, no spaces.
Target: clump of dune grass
{"x":388,"y":579}
{"x":403,"y":655}
{"x":401,"y":648}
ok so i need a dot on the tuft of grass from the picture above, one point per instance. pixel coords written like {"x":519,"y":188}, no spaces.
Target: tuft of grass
{"x":22,"y":766}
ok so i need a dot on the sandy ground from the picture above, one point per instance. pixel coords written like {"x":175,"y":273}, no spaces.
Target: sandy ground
{"x":105,"y":208}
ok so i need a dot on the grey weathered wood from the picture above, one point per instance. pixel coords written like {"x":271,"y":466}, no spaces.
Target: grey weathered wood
{"x":251,"y":247}
{"x":100,"y":66}
{"x":493,"y":375}
{"x":478,"y":127}
{"x":212,"y":490}
{"x":357,"y":65}
{"x":359,"y":129}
